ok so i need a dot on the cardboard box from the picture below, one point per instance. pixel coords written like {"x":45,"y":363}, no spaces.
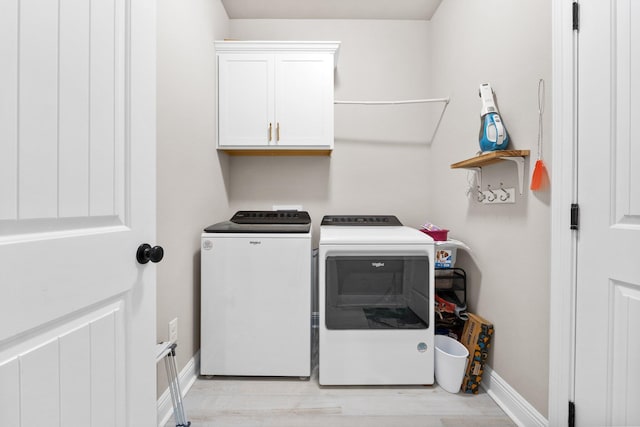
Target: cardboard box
{"x":476,"y":336}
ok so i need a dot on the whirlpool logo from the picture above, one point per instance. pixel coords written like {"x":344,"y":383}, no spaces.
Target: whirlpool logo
{"x":377,"y":264}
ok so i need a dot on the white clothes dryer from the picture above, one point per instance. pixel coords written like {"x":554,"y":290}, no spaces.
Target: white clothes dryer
{"x":376,"y":299}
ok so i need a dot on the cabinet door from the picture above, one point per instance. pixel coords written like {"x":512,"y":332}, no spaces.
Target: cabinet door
{"x":245,"y":100}
{"x":304,"y":100}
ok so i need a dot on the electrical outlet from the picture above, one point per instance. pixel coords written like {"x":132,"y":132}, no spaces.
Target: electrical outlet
{"x":173,"y":330}
{"x":501,"y":195}
{"x":287,"y":207}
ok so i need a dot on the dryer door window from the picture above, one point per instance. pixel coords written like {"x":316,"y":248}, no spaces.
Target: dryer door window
{"x":377,"y":292}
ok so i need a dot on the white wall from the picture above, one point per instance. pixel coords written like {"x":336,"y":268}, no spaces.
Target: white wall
{"x":379,"y":164}
{"x":191,"y":189}
{"x":507,"y":44}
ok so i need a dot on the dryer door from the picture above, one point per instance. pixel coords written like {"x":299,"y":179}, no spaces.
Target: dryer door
{"x":377,"y":292}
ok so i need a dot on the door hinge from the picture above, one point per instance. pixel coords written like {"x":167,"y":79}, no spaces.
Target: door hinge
{"x":572,"y":414}
{"x":575,"y":216}
{"x":576,"y":16}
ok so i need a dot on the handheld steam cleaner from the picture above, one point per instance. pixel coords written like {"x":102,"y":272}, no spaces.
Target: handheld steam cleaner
{"x":493,"y":135}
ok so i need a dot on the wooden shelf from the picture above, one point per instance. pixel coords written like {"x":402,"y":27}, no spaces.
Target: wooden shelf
{"x":489,"y":158}
{"x":275,"y":152}
{"x":477,"y":163}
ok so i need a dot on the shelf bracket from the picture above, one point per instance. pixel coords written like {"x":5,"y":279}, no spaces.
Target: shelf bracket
{"x":478,"y":172}
{"x":519,"y":161}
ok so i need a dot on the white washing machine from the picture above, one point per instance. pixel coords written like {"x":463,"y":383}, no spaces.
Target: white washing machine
{"x":376,"y":299}
{"x":256,"y":295}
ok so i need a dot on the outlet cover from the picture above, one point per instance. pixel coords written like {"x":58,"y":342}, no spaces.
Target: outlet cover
{"x":287,"y":207}
{"x":173,"y":330}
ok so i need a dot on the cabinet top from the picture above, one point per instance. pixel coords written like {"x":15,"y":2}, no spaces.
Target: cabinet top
{"x":262,"y":46}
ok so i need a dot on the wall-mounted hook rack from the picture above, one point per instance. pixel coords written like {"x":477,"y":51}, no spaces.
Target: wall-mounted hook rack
{"x":500,"y":196}
{"x":476,"y":164}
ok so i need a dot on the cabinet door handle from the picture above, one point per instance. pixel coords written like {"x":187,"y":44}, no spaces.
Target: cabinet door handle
{"x":278,"y":131}
{"x":269,"y":132}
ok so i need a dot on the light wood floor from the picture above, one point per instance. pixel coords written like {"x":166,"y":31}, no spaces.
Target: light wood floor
{"x":277,"y":402}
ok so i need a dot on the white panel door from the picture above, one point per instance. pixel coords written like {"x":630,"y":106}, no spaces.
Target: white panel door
{"x":245,"y":100}
{"x":608,"y":276}
{"x":304,"y":100}
{"x":77,"y":197}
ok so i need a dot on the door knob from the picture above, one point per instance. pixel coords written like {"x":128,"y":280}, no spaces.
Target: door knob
{"x":147,"y":253}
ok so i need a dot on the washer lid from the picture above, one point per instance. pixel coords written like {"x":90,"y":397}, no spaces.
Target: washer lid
{"x":271,"y":217}
{"x":264,"y":222}
{"x":232,"y":227}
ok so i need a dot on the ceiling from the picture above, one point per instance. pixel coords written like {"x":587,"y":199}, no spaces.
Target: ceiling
{"x":331,"y":9}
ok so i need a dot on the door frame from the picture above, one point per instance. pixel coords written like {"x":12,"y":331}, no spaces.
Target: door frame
{"x":563,"y":194}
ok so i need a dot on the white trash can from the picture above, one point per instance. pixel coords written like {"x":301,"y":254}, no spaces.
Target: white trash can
{"x":451,"y":363}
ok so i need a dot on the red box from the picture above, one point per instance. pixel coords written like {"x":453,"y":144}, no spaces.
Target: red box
{"x":438,"y":235}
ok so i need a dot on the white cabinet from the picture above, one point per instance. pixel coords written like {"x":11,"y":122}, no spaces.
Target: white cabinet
{"x":275,"y":96}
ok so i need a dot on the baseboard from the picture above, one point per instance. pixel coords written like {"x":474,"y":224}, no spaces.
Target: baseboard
{"x":187,"y":377}
{"x":510,"y":401}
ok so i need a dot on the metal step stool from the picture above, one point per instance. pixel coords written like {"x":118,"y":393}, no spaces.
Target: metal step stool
{"x":167,"y":351}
